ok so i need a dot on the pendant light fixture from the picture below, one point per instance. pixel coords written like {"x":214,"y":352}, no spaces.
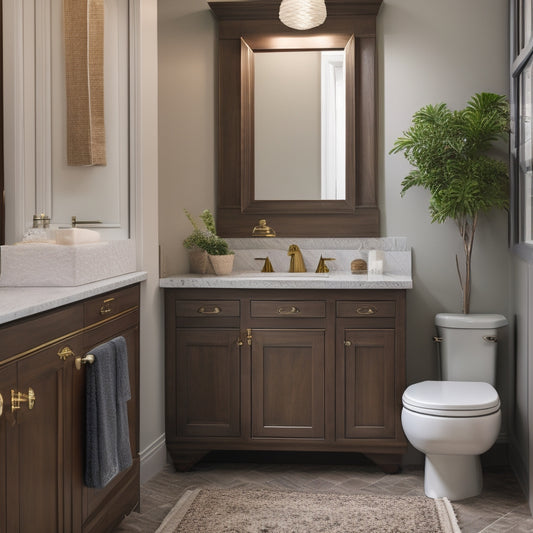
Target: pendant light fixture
{"x":302,"y":14}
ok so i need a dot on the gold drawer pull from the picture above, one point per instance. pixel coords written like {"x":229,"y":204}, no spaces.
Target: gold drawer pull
{"x":209,"y":310}
{"x":106,"y":308}
{"x":368,"y":310}
{"x":65,"y":352}
{"x":19,"y":397}
{"x":87,"y":360}
{"x":292,"y":310}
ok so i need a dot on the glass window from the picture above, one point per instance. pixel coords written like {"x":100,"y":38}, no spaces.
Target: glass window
{"x":525,"y":155}
{"x":525,"y":9}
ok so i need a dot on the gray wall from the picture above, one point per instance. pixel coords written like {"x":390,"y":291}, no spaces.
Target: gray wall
{"x":429,"y":51}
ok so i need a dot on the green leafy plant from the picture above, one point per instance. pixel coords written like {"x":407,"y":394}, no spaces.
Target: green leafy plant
{"x":450,"y":152}
{"x":206,"y":239}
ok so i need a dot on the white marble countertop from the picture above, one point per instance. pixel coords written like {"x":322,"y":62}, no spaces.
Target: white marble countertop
{"x":285,"y":280}
{"x":20,"y":302}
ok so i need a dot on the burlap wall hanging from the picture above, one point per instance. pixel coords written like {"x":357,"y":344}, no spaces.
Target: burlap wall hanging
{"x":84,"y":68}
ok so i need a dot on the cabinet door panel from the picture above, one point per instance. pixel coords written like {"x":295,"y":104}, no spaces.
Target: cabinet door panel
{"x":208,"y":383}
{"x":365,"y":372}
{"x":8,"y":454}
{"x":288,"y":383}
{"x":95,"y":500}
{"x":44,"y":468}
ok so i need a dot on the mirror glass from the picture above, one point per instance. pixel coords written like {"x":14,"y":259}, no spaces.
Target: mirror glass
{"x":299,"y":125}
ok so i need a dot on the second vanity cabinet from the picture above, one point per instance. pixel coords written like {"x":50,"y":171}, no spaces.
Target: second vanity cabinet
{"x":42,"y":443}
{"x":270,"y":369}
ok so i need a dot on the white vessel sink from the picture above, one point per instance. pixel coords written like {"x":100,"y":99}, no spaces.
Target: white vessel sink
{"x":56,"y":265}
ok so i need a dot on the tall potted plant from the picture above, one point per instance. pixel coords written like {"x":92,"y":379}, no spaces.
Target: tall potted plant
{"x":450,"y":151}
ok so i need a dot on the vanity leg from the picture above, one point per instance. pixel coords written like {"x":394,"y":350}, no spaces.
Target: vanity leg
{"x":184,"y":460}
{"x":389,"y":463}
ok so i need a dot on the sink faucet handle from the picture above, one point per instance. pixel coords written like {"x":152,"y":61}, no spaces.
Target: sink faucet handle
{"x":322,"y":267}
{"x":267,"y":267}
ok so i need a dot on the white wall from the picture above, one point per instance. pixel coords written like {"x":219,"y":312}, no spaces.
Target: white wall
{"x":429,"y":51}
{"x":144,"y":115}
{"x":187,"y":149}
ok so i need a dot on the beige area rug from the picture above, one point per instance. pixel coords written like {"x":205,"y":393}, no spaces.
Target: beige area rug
{"x":263,"y":511}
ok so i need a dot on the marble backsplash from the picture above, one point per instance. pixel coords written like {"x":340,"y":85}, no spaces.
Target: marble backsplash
{"x":397,"y":255}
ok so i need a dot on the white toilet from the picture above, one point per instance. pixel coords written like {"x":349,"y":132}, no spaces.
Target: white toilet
{"x":455,"y":420}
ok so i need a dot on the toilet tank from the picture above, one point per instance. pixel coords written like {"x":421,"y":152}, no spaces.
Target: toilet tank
{"x":468,"y":346}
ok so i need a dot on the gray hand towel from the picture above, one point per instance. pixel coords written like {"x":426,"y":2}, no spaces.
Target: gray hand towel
{"x":108,"y":449}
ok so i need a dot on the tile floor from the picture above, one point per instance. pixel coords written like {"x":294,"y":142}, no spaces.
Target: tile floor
{"x":501,"y":508}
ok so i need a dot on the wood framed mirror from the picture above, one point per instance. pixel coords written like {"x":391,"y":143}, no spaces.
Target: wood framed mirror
{"x":248,"y":29}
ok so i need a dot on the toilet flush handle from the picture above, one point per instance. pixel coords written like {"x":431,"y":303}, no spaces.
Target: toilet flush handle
{"x":490,"y":338}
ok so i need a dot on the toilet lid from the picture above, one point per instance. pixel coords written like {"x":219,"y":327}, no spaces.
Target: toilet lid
{"x":452,"y":398}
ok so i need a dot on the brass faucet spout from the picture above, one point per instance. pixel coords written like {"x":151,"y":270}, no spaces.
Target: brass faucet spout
{"x":297,"y":261}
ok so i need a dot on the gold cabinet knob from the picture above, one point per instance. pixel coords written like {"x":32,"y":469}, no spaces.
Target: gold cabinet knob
{"x":19,"y":397}
{"x":1,"y":405}
{"x":347,"y":343}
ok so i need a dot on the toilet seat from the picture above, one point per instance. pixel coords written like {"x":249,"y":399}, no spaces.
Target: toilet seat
{"x":454,"y":399}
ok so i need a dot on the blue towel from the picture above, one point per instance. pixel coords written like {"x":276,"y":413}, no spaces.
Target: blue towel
{"x":107,"y":438}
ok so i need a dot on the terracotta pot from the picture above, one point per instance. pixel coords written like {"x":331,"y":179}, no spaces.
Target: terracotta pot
{"x":198,"y":261}
{"x":222,"y":264}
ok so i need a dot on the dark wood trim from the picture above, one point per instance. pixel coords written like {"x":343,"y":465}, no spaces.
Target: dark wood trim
{"x":249,"y":26}
{"x":269,"y":9}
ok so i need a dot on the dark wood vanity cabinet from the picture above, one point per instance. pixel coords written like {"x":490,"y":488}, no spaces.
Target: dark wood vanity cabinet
{"x":267,"y":369}
{"x":42,"y":447}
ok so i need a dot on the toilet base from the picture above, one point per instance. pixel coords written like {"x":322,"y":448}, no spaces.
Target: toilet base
{"x":455,"y":477}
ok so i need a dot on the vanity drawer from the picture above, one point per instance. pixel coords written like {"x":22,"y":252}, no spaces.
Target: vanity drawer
{"x":207,"y":308}
{"x":287,"y":309}
{"x":38,"y":331}
{"x":366,"y":309}
{"x":110,"y":304}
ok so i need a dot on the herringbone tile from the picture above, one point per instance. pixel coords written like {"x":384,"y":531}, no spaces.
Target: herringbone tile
{"x":501,"y":508}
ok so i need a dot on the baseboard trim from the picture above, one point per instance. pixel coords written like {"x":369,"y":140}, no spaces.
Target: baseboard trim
{"x":518,"y":466}
{"x":153,"y":458}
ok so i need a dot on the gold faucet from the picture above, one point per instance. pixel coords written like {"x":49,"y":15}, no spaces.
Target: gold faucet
{"x":297,"y":261}
{"x":322,"y":267}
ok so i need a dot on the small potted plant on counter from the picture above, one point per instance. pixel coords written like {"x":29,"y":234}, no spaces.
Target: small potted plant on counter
{"x":450,"y":151}
{"x":208,"y":253}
